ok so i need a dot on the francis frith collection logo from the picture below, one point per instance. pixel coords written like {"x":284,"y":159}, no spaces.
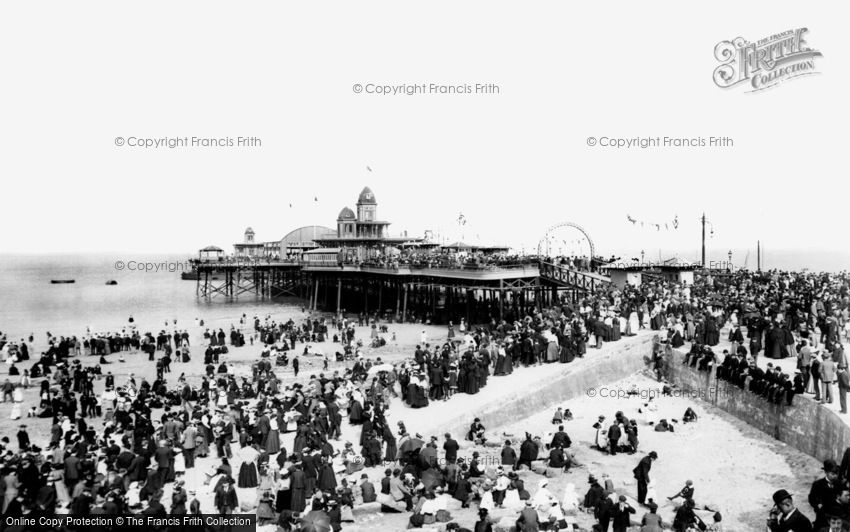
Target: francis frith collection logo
{"x":764,"y":63}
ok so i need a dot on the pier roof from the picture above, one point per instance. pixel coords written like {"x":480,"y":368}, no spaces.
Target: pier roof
{"x":367,"y":197}
{"x":346,"y":214}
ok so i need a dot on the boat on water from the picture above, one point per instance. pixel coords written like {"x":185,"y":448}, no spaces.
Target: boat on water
{"x":111,"y":282}
{"x":62,"y":281}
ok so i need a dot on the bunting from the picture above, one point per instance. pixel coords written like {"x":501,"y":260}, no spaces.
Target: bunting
{"x":657,"y":225}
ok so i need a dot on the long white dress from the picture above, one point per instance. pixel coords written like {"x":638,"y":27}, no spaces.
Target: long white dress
{"x":487,"y":501}
{"x":634,"y":324}
{"x":512,"y":500}
{"x":570,"y":501}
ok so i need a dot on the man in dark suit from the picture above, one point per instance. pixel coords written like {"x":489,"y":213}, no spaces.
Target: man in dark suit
{"x":163,"y":456}
{"x":367,"y":489}
{"x":620,"y":515}
{"x":825,"y":489}
{"x":528,"y":518}
{"x":557,"y":458}
{"x":614,"y":434}
{"x":451,"y":447}
{"x":843,"y":379}
{"x":844,"y":469}
{"x":385,"y":482}
{"x":226,"y":501}
{"x":785,"y":517}
{"x":839,"y":507}
{"x":561,"y":439}
{"x":641,"y":473}
{"x":72,"y":471}
{"x":527,"y":452}
{"x":263,"y":428}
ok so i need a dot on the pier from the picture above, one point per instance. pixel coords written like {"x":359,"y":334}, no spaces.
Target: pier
{"x":436,"y":293}
{"x":357,"y":267}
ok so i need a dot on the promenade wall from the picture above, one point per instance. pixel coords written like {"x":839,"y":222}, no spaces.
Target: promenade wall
{"x":805,"y":425}
{"x":519,"y":396}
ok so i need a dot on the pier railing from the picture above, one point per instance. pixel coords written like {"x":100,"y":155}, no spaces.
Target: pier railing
{"x":565,"y":276}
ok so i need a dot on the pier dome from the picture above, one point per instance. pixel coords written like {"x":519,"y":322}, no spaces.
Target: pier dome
{"x":346,"y":214}
{"x":367,"y":197}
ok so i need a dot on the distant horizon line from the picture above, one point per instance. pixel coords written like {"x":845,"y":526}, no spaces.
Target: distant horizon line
{"x":663,"y":250}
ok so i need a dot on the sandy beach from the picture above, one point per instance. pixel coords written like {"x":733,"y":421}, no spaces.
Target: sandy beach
{"x":734,"y":467}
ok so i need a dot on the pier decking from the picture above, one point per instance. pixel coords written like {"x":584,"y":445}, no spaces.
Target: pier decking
{"x":440,"y":293}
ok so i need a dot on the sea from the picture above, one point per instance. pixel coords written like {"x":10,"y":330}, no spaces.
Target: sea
{"x":156,"y":299}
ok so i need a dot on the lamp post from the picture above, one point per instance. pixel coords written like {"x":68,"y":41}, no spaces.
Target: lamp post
{"x":729,"y":264}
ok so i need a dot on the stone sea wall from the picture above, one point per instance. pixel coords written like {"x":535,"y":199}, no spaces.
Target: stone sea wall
{"x":556,"y":382}
{"x":805,"y":425}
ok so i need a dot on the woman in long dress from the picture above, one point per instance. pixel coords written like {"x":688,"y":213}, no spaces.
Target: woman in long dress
{"x":615,"y":328}
{"x":283,"y":498}
{"x":690,"y":327}
{"x":389,"y":439}
{"x":297,"y":491}
{"x":248,"y":469}
{"x":273,"y":437}
{"x":552,"y":348}
{"x":204,"y":437}
{"x":504,"y":365}
{"x":634,"y":324}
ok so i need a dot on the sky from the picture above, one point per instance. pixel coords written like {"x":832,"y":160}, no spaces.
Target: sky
{"x":77,"y":76}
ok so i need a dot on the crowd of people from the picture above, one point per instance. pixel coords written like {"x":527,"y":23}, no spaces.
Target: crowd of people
{"x":225,"y":418}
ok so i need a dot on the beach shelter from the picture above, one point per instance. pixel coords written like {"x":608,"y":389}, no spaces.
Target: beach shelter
{"x":210,"y":253}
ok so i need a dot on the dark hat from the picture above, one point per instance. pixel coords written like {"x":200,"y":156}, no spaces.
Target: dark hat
{"x":653,"y":454}
{"x":780,"y":496}
{"x":830,"y":466}
{"x":622,"y":498}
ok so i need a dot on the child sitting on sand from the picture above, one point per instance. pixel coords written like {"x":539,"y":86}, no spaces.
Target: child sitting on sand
{"x":558,"y":418}
{"x":686,"y":493}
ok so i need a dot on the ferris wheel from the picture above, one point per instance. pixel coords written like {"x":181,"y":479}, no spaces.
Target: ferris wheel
{"x":566,"y":239}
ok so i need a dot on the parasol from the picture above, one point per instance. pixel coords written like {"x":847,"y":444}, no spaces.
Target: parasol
{"x":380,"y":367}
{"x":316,"y":521}
{"x":411,"y":445}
